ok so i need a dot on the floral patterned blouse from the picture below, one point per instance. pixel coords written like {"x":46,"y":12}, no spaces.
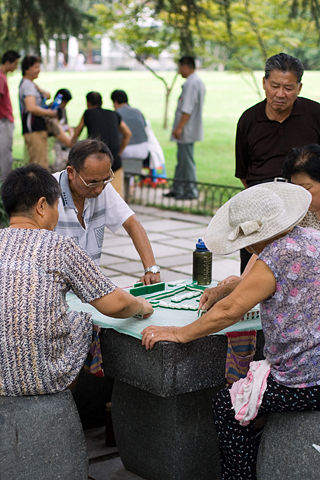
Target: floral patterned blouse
{"x":291,"y":317}
{"x":42,"y":345}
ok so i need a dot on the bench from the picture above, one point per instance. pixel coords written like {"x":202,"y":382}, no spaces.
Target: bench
{"x":41,"y":438}
{"x":286,"y":450}
{"x":131,"y":166}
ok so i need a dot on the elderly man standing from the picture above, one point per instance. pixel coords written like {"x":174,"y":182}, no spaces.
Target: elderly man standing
{"x":89,"y":203}
{"x":268,"y":130}
{"x":187,"y":129}
{"x":9,"y":63}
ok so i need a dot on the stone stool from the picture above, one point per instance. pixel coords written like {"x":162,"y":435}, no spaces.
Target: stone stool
{"x":131,"y":166}
{"x":41,"y":438}
{"x":286,"y":450}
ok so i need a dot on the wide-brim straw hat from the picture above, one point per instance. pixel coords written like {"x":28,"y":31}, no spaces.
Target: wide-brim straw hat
{"x":256,"y":214}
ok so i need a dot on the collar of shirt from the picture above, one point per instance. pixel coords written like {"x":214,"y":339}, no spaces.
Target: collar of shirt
{"x":262,"y":117}
{"x":66,"y":195}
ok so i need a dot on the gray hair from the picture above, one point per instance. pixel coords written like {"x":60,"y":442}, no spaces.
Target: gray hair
{"x":284,"y":63}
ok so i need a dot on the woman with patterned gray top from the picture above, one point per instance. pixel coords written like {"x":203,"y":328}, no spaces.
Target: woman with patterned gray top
{"x":43,"y":345}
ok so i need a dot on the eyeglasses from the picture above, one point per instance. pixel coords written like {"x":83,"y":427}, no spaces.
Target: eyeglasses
{"x":102,"y":183}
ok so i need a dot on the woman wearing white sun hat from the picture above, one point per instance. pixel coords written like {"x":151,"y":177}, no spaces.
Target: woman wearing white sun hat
{"x":285,"y":281}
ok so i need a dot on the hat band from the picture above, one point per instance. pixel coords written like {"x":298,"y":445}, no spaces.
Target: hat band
{"x":245,"y":228}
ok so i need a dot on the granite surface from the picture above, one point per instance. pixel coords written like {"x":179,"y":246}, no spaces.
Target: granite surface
{"x":161,"y":404}
{"x":41,"y":438}
{"x":287,"y":448}
{"x":168,"y":369}
{"x":166,"y":438}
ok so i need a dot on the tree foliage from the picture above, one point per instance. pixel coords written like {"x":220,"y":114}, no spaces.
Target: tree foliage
{"x":238,"y":34}
{"x":24,"y":24}
{"x":146,"y":37}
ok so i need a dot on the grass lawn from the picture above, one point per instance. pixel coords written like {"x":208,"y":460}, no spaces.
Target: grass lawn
{"x":228,"y":95}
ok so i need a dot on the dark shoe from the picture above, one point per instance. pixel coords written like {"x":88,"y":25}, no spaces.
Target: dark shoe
{"x":169,"y":194}
{"x":186,"y":197}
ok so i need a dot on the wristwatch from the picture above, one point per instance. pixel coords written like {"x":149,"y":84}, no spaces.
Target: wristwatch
{"x":152,"y":269}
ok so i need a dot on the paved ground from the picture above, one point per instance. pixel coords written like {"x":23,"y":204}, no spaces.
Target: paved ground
{"x":173,"y":236}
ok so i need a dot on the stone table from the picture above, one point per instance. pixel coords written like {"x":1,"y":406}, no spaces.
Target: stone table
{"x":161,"y":401}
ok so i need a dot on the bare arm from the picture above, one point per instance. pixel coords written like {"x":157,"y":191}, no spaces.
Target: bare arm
{"x":32,"y":107}
{"x":77,"y":130}
{"x":258,"y":285}
{"x":126,"y":135}
{"x":250,"y":264}
{"x":143,"y":247}
{"x":64,"y":138}
{"x":120,"y":304}
{"x":43,"y":92}
{"x":177,"y":132}
{"x":212,"y":295}
{"x":244,"y":183}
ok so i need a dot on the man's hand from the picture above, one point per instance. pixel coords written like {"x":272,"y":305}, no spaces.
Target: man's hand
{"x":177,"y":132}
{"x":153,"y":334}
{"x":149,"y":278}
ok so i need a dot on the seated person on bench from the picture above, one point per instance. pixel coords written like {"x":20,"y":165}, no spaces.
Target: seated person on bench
{"x":43,"y":345}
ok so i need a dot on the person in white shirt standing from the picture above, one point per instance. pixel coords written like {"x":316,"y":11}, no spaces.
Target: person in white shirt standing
{"x":187,"y":129}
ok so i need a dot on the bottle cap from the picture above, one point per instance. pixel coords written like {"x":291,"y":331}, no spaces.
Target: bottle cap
{"x":200,"y":245}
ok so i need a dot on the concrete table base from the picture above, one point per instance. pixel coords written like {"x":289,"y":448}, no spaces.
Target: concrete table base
{"x":166,"y":438}
{"x":161,"y":404}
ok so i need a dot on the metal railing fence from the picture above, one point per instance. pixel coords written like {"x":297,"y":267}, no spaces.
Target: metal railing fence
{"x":149,"y":191}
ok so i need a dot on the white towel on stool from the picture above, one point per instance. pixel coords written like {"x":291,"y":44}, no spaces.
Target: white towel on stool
{"x":247,"y":393}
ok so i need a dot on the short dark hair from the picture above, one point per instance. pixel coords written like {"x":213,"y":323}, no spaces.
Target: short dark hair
{"x":10,"y":56}
{"x":304,"y":159}
{"x":190,"y":61}
{"x":23,"y":187}
{"x":94,"y":98}
{"x":81,"y":150}
{"x":119,"y":96}
{"x":66,"y":94}
{"x":284,"y":63}
{"x":28,"y":62}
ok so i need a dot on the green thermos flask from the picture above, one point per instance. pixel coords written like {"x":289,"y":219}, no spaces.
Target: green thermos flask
{"x":202,"y":264}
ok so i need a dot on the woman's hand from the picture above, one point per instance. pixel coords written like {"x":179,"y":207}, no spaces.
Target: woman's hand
{"x":146,"y":308}
{"x":209,"y":297}
{"x":212,"y":295}
{"x":231,"y":278}
{"x":153,"y":334}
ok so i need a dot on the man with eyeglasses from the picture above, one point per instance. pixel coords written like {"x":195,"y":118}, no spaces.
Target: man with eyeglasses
{"x":89,"y":203}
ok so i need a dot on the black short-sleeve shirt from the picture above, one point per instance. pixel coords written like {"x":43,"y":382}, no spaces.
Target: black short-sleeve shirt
{"x":262,"y":144}
{"x":104,"y":125}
